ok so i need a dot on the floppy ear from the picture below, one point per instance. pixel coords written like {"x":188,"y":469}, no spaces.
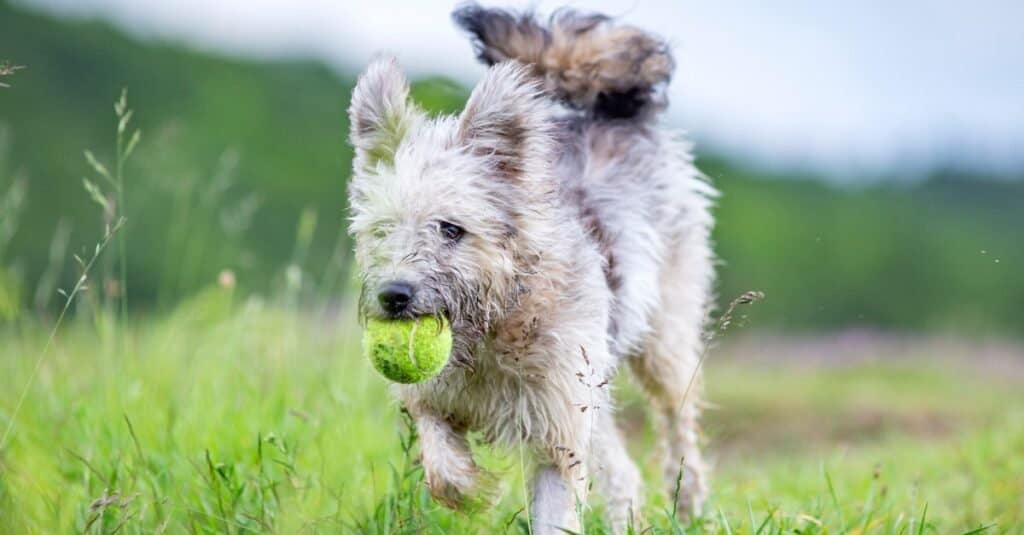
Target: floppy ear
{"x":380,"y":114}
{"x":506,"y":121}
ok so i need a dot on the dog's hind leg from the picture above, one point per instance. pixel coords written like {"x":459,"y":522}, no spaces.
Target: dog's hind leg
{"x":616,"y":475}
{"x":665,"y":374}
{"x":668,"y":367}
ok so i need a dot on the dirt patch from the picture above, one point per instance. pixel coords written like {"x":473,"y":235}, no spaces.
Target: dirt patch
{"x":810,"y":431}
{"x":731,"y":433}
{"x":994,"y":358}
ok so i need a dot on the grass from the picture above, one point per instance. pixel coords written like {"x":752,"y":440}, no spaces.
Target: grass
{"x":243,"y":416}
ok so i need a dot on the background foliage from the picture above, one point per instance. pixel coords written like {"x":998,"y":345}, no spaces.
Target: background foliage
{"x":235,"y":152}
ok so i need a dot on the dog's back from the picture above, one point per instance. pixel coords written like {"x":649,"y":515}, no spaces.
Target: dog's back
{"x":631,"y":182}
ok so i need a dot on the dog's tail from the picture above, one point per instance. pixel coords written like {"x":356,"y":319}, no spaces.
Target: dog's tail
{"x":587,"y":61}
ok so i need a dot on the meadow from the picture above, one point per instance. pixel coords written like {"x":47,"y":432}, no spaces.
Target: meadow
{"x":179,"y":351}
{"x":239,"y":415}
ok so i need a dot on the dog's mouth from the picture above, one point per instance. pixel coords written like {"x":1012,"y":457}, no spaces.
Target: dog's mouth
{"x":441,"y":317}
{"x":413,"y":315}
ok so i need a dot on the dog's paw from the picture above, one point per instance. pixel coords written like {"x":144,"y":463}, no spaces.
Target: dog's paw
{"x":477,"y":493}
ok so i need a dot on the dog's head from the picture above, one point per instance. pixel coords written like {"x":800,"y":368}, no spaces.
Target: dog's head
{"x":445,"y":211}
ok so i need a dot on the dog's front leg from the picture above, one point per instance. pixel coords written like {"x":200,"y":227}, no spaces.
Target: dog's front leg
{"x":555,"y":495}
{"x":449,"y":471}
{"x":561,"y":480}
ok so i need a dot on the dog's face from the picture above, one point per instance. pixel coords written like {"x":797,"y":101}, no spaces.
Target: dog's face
{"x":438,"y":205}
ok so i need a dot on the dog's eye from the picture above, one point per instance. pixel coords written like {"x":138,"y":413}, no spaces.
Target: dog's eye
{"x":451,"y":232}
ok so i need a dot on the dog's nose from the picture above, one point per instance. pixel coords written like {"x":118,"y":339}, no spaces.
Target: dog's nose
{"x":395,"y":297}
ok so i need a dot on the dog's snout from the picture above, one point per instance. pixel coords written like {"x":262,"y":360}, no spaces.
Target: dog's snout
{"x":395,"y":297}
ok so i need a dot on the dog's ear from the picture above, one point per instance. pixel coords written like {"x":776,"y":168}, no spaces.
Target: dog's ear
{"x":507,"y":122}
{"x":380,"y":115}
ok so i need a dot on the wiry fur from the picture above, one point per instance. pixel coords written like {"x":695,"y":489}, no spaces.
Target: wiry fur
{"x":586,"y":245}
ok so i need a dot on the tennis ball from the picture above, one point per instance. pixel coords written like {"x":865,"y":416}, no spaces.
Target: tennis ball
{"x":408,"y":351}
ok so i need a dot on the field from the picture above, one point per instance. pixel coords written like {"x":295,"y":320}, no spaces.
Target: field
{"x":223,"y":389}
{"x":239,"y":415}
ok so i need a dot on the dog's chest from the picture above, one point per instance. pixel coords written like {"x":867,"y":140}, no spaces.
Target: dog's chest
{"x":508,"y":395}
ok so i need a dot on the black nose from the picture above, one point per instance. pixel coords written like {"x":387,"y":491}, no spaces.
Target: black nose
{"x":395,"y":297}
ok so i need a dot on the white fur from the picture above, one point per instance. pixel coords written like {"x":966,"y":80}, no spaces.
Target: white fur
{"x":586,"y":245}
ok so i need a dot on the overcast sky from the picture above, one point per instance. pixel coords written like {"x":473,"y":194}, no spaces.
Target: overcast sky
{"x":843,"y":87}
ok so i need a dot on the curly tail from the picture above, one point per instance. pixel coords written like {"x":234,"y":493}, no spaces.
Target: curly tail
{"x":586,"y":60}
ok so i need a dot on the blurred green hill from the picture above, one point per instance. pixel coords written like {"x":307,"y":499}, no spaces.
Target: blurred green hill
{"x":243,"y":164}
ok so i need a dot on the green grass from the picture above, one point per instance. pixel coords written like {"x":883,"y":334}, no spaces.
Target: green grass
{"x":230,"y":416}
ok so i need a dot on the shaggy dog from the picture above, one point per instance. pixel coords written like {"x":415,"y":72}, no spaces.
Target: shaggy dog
{"x":562,"y":232}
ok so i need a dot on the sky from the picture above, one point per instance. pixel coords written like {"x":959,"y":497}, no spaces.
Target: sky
{"x":847,"y":88}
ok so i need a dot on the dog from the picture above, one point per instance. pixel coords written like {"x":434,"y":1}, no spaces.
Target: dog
{"x":562,"y":232}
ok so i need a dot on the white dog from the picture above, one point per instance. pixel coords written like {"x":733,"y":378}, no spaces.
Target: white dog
{"x":562,"y":232}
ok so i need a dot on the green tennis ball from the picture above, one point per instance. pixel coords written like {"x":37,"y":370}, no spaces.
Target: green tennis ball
{"x":408,"y":351}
